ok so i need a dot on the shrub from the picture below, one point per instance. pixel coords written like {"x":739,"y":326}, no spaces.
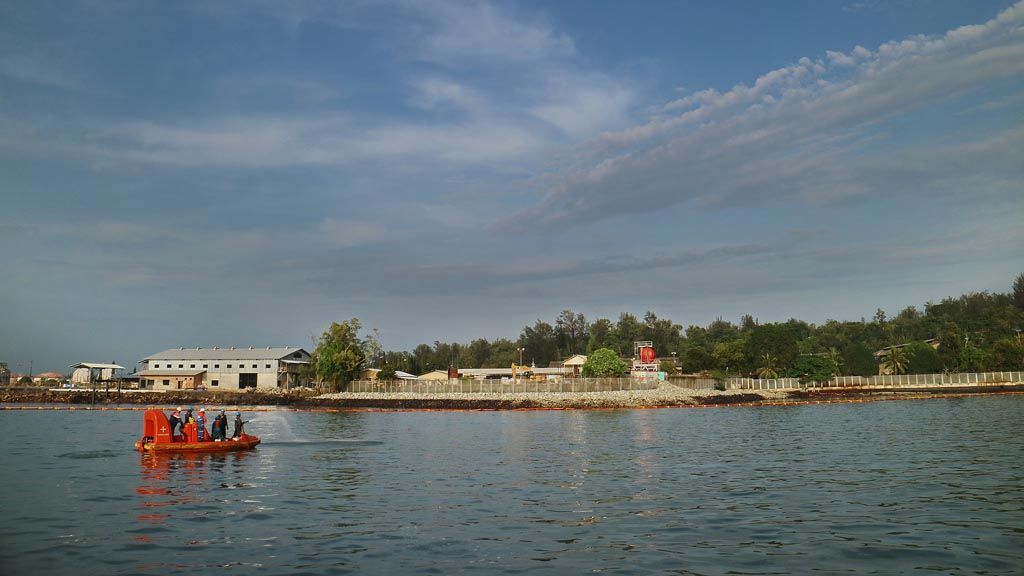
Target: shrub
{"x":603,"y":362}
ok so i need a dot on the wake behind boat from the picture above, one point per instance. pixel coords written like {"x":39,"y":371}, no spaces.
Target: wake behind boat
{"x":156,"y":437}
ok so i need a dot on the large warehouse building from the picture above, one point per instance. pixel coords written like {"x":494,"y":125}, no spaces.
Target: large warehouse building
{"x":223,"y":368}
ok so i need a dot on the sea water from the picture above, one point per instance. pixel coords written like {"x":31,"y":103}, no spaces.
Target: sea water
{"x":931,"y":486}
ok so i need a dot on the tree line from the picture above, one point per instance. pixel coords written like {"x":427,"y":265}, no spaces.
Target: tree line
{"x":979,"y":331}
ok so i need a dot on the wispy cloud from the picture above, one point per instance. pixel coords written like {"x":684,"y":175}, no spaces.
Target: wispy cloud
{"x":581,"y":107}
{"x":350,"y":233}
{"x":262,"y":141}
{"x":800,"y":133}
{"x":453,"y":116}
{"x":460,"y":32}
{"x":38,"y":70}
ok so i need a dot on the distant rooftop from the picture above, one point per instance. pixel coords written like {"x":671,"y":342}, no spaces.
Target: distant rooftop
{"x":232,"y":353}
{"x":97,"y":365}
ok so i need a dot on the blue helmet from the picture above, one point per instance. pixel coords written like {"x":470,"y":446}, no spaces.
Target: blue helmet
{"x":238,"y":413}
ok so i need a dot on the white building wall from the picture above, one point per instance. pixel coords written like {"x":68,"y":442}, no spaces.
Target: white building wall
{"x":225,"y":370}
{"x":80,"y":376}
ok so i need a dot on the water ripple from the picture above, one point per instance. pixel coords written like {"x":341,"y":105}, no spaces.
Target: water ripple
{"x":883,"y":488}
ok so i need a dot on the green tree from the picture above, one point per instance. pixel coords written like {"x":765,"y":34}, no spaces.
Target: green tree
{"x":667,"y":366}
{"x":477,"y":354}
{"x":340,"y":353}
{"x":24,"y":380}
{"x":419,"y":362}
{"x":387,"y":373}
{"x":858,"y":360}
{"x":769,"y":366}
{"x":697,"y":359}
{"x":972,"y":358}
{"x":628,"y":330}
{"x":503,"y":353}
{"x":747,"y":323}
{"x":540,"y":343}
{"x":951,"y":343}
{"x":601,"y":335}
{"x":697,"y":337}
{"x":836,"y":358}
{"x":663,"y":333}
{"x":1007,"y":354}
{"x":603,"y":362}
{"x":896,"y":360}
{"x":1018,"y":291}
{"x":730,"y":354}
{"x":307,"y":372}
{"x":813,"y":369}
{"x":445,"y":355}
{"x":775,"y":339}
{"x":922,"y":359}
{"x":879,"y":316}
{"x":572,"y":332}
{"x":722,"y":330}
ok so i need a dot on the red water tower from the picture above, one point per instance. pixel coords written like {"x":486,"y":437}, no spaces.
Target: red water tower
{"x":647,"y":355}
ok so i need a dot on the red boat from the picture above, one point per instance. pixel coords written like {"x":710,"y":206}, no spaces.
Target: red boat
{"x":156,"y":437}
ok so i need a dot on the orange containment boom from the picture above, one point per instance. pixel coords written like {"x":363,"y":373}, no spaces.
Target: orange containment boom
{"x":156,"y":437}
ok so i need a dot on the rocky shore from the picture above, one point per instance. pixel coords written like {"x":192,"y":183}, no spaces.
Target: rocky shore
{"x":666,"y":395}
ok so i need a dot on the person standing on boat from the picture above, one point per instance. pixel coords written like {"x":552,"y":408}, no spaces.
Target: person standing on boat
{"x":219,"y":430}
{"x":175,"y":420}
{"x":188,"y":416}
{"x":201,"y":423}
{"x":239,"y":423}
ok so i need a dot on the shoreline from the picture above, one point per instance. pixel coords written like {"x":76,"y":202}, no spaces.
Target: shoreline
{"x":664,"y":397}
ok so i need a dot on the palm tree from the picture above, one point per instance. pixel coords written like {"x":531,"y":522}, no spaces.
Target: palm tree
{"x":896,"y":360}
{"x":837,"y":360}
{"x":769,"y":367}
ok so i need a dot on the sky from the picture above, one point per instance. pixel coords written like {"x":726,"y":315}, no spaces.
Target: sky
{"x":244,"y":173}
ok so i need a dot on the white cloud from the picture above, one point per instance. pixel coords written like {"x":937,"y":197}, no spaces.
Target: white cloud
{"x":259,"y":141}
{"x":861,"y":52}
{"x":38,"y":70}
{"x":482,"y":31}
{"x":434,"y":93}
{"x":581,"y":108}
{"x":350,"y":233}
{"x":453,"y":118}
{"x":839,"y":59}
{"x":802,"y":133}
{"x":294,"y":90}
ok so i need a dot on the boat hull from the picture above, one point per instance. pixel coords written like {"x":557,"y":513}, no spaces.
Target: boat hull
{"x":244,"y":442}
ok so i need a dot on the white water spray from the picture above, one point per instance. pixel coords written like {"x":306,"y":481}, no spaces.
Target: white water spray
{"x":274,"y":426}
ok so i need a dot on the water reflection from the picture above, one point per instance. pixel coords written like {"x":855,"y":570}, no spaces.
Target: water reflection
{"x":882,"y":488}
{"x":182,"y":487}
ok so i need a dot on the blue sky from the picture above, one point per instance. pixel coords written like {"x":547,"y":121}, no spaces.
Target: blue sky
{"x":199,"y":174}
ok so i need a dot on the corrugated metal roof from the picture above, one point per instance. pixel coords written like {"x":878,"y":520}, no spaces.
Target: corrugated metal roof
{"x":170,"y":372}
{"x":225,"y":354}
{"x":575,"y":360}
{"x":483,"y":372}
{"x":95,"y":365}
